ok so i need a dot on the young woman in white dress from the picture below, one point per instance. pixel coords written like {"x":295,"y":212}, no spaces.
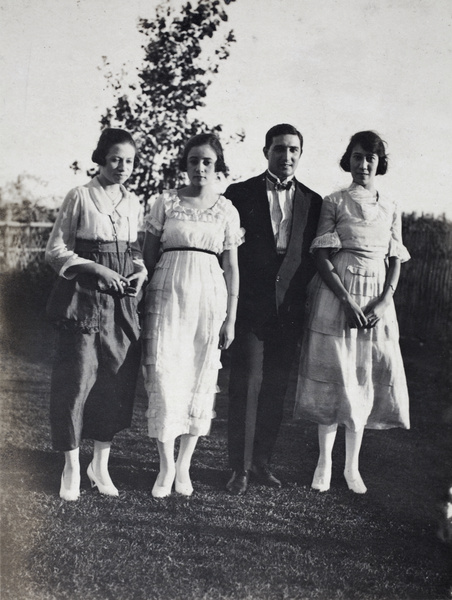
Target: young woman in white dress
{"x":351,"y":371}
{"x":190,"y":250}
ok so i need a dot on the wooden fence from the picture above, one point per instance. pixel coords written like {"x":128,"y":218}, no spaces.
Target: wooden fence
{"x":424,"y":294}
{"x":22,"y":244}
{"x":423,"y":297}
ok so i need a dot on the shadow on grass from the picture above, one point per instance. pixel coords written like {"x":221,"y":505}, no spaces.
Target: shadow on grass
{"x":270,"y":544}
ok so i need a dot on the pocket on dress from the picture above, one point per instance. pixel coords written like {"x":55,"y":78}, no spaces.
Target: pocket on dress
{"x":359,"y":281}
{"x":73,"y":305}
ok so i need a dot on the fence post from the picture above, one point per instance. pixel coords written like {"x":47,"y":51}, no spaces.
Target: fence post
{"x":8,"y":238}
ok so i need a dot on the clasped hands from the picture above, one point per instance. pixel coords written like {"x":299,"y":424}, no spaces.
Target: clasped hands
{"x":366,"y":317}
{"x":111,"y":282}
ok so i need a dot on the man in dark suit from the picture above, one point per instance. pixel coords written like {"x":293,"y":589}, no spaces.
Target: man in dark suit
{"x":280,"y":217}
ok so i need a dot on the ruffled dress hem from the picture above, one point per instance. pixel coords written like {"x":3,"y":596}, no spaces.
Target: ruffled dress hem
{"x":185,"y":306}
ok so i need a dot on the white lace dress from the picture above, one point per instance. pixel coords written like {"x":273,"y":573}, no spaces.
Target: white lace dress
{"x":350,"y":376}
{"x":186,"y":303}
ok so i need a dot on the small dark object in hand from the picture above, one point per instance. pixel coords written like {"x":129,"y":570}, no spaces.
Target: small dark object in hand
{"x":130,"y":290}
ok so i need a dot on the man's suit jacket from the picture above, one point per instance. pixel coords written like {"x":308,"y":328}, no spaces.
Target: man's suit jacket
{"x":266,"y":284}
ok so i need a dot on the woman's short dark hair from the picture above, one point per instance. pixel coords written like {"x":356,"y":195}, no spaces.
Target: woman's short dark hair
{"x":204,"y":139}
{"x":371,"y":142}
{"x":108,"y":138}
{"x":282,"y":129}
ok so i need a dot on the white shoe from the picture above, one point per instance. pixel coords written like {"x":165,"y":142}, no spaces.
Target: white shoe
{"x":72,"y":493}
{"x":186,"y":489}
{"x":355,"y":483}
{"x":107,"y":490}
{"x":322,"y":479}
{"x":162,"y":491}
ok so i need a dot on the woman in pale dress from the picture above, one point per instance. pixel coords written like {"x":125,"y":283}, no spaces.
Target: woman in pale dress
{"x":93,"y":248}
{"x":351,"y":371}
{"x":190,"y":311}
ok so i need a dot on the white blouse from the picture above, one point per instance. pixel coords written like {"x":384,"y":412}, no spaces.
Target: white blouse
{"x":88,"y":213}
{"x":354,"y":219}
{"x":215,"y":229}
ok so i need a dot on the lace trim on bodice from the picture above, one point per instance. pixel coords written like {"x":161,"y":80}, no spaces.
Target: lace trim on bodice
{"x":217,"y":212}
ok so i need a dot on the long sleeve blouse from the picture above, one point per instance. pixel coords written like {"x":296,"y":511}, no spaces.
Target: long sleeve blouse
{"x":88,"y":213}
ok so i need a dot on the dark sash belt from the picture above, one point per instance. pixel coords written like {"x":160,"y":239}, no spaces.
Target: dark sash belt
{"x":188,"y":249}
{"x":95,"y":246}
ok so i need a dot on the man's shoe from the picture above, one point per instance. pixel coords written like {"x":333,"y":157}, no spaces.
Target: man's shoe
{"x":238,"y":484}
{"x":264,"y":474}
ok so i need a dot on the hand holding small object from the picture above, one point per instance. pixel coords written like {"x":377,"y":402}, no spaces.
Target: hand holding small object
{"x":135,"y":282}
{"x":109,"y":280}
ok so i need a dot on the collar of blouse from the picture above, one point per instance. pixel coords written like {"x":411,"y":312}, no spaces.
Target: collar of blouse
{"x":103,"y":202}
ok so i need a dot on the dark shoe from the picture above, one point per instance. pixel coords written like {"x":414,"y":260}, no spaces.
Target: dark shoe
{"x":264,"y":474}
{"x":238,"y":483}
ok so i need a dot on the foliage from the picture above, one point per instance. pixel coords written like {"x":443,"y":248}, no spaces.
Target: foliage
{"x":160,"y":109}
{"x":422,"y":233}
{"x":24,"y":292}
{"x":424,"y":293}
{"x":27,"y":200}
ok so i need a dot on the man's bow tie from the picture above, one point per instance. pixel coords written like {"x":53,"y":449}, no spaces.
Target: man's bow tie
{"x":279,"y":187}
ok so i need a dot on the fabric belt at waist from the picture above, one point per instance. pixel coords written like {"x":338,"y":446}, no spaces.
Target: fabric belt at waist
{"x":95,"y":246}
{"x":188,"y":249}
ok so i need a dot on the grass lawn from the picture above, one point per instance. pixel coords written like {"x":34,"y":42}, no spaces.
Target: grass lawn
{"x":292,"y":543}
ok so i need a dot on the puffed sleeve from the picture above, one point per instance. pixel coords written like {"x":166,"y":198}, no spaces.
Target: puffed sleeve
{"x":234,"y":234}
{"x":327,"y":236}
{"x":60,"y":252}
{"x":156,"y":217}
{"x":396,"y":247}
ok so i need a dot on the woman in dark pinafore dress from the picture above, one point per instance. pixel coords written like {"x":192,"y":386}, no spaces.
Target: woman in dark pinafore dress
{"x":93,"y":249}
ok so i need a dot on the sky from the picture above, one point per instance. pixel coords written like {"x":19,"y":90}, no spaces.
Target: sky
{"x":329,"y":67}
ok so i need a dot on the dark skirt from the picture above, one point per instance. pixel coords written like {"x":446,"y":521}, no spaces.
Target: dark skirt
{"x":96,"y":366}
